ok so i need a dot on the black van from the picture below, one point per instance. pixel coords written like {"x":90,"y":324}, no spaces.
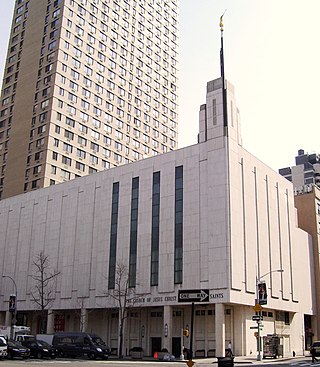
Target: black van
{"x":79,"y":344}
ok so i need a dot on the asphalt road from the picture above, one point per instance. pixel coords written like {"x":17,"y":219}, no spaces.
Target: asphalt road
{"x":89,"y":363}
{"x":299,"y":362}
{"x":83,"y":363}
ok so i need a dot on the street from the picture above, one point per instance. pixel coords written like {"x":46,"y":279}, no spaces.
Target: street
{"x":84,"y":362}
{"x":293,"y":362}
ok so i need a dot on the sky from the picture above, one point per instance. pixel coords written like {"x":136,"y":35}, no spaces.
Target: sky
{"x":272,"y":57}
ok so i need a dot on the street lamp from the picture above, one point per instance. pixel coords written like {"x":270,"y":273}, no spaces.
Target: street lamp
{"x":272,"y":271}
{"x":258,"y":302}
{"x":14,"y":319}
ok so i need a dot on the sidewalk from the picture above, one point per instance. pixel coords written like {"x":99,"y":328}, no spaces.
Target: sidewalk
{"x":253,"y":360}
{"x":238,"y":360}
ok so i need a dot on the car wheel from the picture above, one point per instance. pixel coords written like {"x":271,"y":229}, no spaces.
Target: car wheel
{"x":53,"y":357}
{"x":39,"y":355}
{"x":92,"y":355}
{"x":60,"y":353}
{"x":9,"y":355}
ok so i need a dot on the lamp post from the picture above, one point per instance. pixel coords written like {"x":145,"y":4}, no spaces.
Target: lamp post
{"x":269,"y":272}
{"x":258,"y":280}
{"x":14,"y":318}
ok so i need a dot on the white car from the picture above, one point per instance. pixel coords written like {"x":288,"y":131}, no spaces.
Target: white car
{"x":3,"y":346}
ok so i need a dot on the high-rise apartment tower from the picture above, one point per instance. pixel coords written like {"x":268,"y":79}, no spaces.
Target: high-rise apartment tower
{"x":88,"y":85}
{"x":305,"y":173}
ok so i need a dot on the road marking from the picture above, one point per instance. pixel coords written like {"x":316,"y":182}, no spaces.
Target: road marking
{"x":304,"y":364}
{"x":53,"y":362}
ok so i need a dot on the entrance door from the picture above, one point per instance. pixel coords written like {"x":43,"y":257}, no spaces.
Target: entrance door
{"x":155,"y":345}
{"x":176,"y":346}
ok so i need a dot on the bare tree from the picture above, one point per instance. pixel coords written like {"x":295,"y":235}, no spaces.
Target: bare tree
{"x":42,"y":293}
{"x":124,"y":296}
{"x":81,"y":315}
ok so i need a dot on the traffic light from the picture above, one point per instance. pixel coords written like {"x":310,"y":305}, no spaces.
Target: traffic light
{"x":12,"y":303}
{"x":262,"y":293}
{"x":186,"y":332}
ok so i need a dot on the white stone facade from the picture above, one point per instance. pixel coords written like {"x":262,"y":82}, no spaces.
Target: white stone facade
{"x":239,"y":223}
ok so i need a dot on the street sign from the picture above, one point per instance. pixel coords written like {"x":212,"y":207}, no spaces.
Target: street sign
{"x":257,"y":318}
{"x":256,"y":327}
{"x":257,"y":307}
{"x":193,"y":295}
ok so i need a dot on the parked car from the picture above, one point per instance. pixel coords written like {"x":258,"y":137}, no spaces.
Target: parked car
{"x":40,"y":349}
{"x":316,"y":346}
{"x":17,"y":350}
{"x":3,"y":347}
{"x":77,"y":344}
{"x":45,"y":337}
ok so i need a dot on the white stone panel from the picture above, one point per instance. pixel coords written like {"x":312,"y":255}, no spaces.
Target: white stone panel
{"x":24,"y":251}
{"x":67,"y":240}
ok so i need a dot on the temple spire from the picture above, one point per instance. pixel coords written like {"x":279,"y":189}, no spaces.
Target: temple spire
{"x":224,"y":90}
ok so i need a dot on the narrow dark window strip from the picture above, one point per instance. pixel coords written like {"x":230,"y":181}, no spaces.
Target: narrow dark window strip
{"x":178,"y":227}
{"x":155,"y":229}
{"x":113,"y":236}
{"x":133,"y":232}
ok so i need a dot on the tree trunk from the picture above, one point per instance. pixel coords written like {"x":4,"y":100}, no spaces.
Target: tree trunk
{"x":121,"y":340}
{"x":43,"y":322}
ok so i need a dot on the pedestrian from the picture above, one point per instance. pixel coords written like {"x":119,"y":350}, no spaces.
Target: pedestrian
{"x":313,"y":354}
{"x":229,"y":350}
